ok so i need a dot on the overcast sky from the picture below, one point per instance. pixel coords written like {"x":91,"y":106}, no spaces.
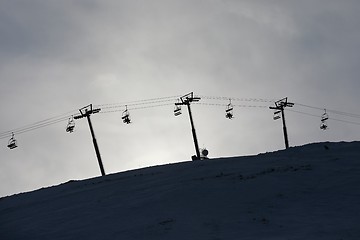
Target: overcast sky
{"x":59,"y":56}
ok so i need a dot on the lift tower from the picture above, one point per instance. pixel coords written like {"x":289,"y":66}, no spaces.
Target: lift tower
{"x":279,"y":108}
{"x":187,"y":100}
{"x":86,"y":112}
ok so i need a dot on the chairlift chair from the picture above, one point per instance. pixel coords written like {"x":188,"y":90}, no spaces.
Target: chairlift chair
{"x":12,"y":142}
{"x":177,"y":110}
{"x":324,"y":118}
{"x":229,"y":111}
{"x":277,"y":115}
{"x":71,"y":125}
{"x":126,"y":116}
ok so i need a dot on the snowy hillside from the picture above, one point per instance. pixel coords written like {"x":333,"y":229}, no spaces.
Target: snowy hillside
{"x":308,"y":192}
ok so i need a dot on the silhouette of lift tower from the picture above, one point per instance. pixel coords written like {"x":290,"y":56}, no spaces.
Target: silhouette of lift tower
{"x":187,"y":100}
{"x":86,"y":112}
{"x":279,"y":108}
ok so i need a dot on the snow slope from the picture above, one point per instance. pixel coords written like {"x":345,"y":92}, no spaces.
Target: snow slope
{"x":308,"y":192}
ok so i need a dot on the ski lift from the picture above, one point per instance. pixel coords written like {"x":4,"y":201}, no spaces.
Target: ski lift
{"x":277,"y":114}
{"x":71,"y":125}
{"x":126,"y":116}
{"x":177,"y":110}
{"x":324,"y":118}
{"x":12,"y":142}
{"x":229,"y":111}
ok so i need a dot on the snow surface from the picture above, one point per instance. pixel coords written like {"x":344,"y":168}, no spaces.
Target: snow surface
{"x":308,"y":192}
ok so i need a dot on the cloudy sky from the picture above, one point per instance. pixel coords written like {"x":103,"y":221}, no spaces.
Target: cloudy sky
{"x":59,"y":56}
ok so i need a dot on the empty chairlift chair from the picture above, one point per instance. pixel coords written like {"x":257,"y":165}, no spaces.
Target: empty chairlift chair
{"x":12,"y":142}
{"x":277,"y":114}
{"x":177,"y":110}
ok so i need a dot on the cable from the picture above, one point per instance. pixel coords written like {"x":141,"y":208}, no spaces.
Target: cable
{"x":234,"y":105}
{"x":237,"y":99}
{"x":136,"y":108}
{"x":31,"y":128}
{"x":335,"y":119}
{"x":37,"y":124}
{"x":345,"y":121}
{"x":354,"y":115}
{"x":309,"y":114}
{"x":164,"y":101}
{"x":138,"y":101}
{"x":64,"y":116}
{"x":137,"y":104}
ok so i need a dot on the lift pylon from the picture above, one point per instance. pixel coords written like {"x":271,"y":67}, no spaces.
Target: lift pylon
{"x":279,"y":108}
{"x":187,"y":100}
{"x":86,"y":112}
